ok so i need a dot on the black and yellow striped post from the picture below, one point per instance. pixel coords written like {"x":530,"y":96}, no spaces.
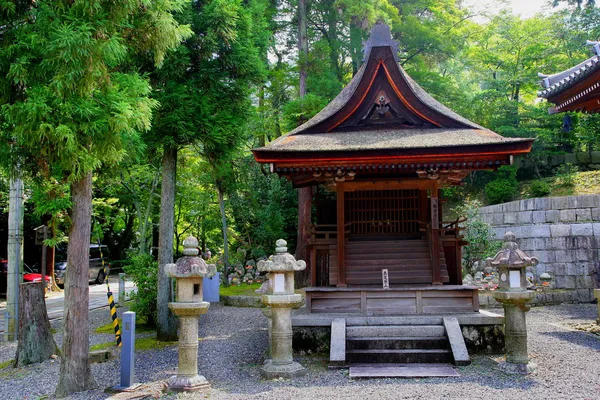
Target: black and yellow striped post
{"x":113,"y":315}
{"x":111,"y":304}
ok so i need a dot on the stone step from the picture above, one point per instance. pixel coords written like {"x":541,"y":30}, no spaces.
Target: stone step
{"x":397,"y":343}
{"x":402,"y":371}
{"x":399,"y":356}
{"x":395,"y":331}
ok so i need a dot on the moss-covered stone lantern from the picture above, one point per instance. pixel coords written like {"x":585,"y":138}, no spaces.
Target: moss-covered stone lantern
{"x":188,"y":272}
{"x":512,"y":292}
{"x":281,"y":298}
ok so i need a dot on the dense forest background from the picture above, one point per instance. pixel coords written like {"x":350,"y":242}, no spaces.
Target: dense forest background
{"x":233,"y":84}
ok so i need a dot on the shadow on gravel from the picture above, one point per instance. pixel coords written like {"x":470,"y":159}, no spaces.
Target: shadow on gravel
{"x":575,"y":337}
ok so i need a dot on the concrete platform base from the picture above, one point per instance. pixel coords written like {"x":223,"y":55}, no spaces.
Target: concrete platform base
{"x":274,"y":371}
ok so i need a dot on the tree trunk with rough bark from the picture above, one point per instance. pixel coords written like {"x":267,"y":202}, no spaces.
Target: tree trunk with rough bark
{"x":302,"y":44}
{"x":36,"y":343}
{"x":75,"y":373}
{"x":166,"y":324}
{"x":225,"y":239}
{"x":302,"y":278}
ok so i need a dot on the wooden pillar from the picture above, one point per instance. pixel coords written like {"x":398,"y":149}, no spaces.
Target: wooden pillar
{"x":435,"y":235}
{"x":313,"y":265}
{"x":341,"y":235}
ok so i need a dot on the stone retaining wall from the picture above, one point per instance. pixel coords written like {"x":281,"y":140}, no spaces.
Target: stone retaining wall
{"x":562,"y":232}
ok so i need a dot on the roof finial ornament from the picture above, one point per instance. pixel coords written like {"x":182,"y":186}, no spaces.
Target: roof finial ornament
{"x":595,"y":46}
{"x":381,"y":35}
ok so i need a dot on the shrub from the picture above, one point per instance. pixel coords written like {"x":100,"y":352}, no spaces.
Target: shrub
{"x":566,"y":174}
{"x":539,"y":189}
{"x":477,"y":233}
{"x":143,"y":270}
{"x":504,"y":187}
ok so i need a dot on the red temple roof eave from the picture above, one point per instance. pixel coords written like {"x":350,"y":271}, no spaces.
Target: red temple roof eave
{"x":433,"y":156}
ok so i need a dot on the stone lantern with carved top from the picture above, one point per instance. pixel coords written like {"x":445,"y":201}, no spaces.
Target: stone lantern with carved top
{"x":281,"y":299}
{"x":512,"y":292}
{"x":188,"y":272}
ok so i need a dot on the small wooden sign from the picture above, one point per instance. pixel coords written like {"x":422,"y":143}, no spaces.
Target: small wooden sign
{"x":385,"y":278}
{"x":435,"y":217}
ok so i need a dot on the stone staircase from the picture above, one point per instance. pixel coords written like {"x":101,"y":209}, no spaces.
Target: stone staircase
{"x":386,"y":348}
{"x":397,"y":344}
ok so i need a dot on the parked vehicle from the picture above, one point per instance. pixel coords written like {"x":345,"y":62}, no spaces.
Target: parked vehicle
{"x":98,"y":254}
{"x":30,"y":274}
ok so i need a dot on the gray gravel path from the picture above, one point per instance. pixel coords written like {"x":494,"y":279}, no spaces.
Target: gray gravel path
{"x":235,"y":340}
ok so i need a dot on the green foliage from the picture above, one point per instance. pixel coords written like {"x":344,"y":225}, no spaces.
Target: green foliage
{"x":504,"y":187}
{"x":566,"y":174}
{"x":477,"y":233}
{"x":539,"y":188}
{"x":298,"y":111}
{"x":143,"y":270}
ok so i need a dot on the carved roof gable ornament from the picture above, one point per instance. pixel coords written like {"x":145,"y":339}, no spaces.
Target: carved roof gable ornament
{"x":380,"y":36}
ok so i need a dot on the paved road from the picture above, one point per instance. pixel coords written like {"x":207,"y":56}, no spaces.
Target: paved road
{"x":98,"y":298}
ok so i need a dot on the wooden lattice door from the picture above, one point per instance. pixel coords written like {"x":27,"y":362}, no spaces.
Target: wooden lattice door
{"x":382,"y":212}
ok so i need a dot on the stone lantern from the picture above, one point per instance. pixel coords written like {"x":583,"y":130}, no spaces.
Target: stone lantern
{"x":188,"y":271}
{"x":513,"y":294}
{"x":281,"y":299}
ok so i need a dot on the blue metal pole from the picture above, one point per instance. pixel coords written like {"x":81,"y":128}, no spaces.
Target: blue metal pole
{"x":127,"y":352}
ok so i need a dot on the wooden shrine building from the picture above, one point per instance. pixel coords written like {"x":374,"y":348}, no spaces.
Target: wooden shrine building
{"x":381,"y":151}
{"x":576,"y":89}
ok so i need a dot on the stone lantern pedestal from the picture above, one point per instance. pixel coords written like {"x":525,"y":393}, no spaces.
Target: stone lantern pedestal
{"x":281,"y":299}
{"x":188,"y":271}
{"x":513,"y":294}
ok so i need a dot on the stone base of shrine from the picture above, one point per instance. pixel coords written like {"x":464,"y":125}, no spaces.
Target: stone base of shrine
{"x":483,"y":331}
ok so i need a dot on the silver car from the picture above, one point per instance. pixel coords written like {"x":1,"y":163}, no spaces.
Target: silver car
{"x":98,"y":263}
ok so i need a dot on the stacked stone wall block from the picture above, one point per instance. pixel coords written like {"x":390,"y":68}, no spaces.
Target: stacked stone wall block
{"x":560,"y":203}
{"x":513,"y":206}
{"x":560,"y":231}
{"x":527,"y":205}
{"x":583,"y":214}
{"x":525,"y":217}
{"x":552,"y":216}
{"x":566,"y":216}
{"x":539,"y":217}
{"x":582,"y":230}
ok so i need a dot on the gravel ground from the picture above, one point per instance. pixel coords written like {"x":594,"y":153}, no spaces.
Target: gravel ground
{"x":235,"y":339}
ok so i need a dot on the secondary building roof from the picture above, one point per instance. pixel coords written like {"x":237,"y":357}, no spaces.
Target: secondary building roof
{"x":577,"y":88}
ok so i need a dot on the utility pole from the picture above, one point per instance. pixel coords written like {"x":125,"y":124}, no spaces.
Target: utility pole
{"x":15,"y":256}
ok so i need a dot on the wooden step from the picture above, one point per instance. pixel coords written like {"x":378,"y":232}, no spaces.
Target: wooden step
{"x":399,"y":356}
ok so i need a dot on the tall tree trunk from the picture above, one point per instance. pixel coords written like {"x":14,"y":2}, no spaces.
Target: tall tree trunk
{"x":304,"y":222}
{"x":36,"y":343}
{"x":143,"y":221}
{"x":304,"y":194}
{"x":334,"y":48}
{"x":225,"y":240}
{"x":75,"y":373}
{"x":14,"y":249}
{"x":166,"y":324}
{"x":355,"y":45}
{"x":302,"y":45}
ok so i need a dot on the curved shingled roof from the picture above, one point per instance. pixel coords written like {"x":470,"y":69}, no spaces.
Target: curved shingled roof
{"x":561,"y":81}
{"x":344,"y":125}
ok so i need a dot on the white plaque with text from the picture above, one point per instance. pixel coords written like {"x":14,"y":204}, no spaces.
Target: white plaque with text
{"x":385,"y":278}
